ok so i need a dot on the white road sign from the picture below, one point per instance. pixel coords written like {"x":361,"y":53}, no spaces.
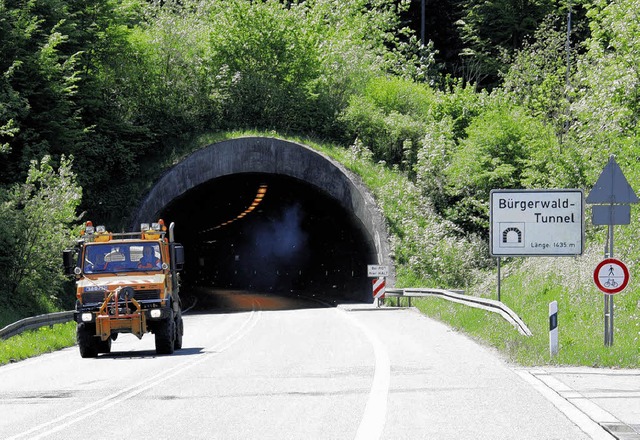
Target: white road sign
{"x":611,"y":276}
{"x":375,"y":270}
{"x":537,"y":222}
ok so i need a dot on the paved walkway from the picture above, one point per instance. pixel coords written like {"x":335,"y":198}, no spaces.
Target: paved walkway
{"x":605,"y":403}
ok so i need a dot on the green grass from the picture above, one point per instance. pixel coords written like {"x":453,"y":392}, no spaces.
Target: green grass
{"x":580,"y":316}
{"x":35,"y":342}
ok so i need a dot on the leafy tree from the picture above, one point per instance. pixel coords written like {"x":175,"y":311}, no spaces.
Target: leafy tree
{"x":433,"y":158}
{"x":462,"y":103}
{"x":59,"y":90}
{"x":505,"y":148}
{"x":492,"y":31}
{"x":167,"y":87}
{"x":537,"y":78}
{"x":117,"y":136}
{"x":38,"y":84}
{"x":36,"y":219}
{"x":289,"y":66}
{"x":607,"y":102}
{"x":268,"y":63}
{"x":440,"y":30}
{"x":389,"y":118}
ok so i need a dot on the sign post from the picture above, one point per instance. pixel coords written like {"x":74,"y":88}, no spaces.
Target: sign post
{"x":611,"y":196}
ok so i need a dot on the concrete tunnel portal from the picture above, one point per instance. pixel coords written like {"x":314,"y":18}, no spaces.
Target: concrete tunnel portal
{"x":267,"y":215}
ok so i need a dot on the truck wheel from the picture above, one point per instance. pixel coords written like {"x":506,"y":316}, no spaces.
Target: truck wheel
{"x":166,"y":336}
{"x":87,"y":342}
{"x":104,"y":346}
{"x":179,"y":331}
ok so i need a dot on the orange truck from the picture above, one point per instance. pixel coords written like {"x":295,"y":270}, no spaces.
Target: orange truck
{"x":126,"y":283}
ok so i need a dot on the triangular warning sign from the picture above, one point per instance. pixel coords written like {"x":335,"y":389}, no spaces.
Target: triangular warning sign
{"x":612,"y":187}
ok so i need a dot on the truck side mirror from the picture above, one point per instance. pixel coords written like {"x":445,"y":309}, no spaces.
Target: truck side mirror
{"x":178,"y":254}
{"x":69,"y":261}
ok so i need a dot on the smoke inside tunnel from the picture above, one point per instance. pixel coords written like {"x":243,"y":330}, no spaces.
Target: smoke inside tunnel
{"x":288,"y":238}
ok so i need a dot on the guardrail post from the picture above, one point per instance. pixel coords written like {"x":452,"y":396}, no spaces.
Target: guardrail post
{"x":553,"y":328}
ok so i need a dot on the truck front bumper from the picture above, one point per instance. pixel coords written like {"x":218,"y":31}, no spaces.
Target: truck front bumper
{"x":136,"y":322}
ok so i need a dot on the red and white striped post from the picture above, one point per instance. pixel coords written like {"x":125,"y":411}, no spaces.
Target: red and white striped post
{"x":379,"y":286}
{"x":379,"y":273}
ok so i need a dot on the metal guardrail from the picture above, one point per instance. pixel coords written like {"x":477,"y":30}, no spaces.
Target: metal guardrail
{"x":491,"y":305}
{"x":471,"y":301}
{"x":49,"y":319}
{"x":35,"y":322}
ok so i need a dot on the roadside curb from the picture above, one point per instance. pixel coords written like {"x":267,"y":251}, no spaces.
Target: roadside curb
{"x":588,"y":416}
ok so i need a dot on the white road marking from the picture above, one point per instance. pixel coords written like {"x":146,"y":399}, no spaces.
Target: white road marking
{"x":100,"y":405}
{"x":582,"y":420}
{"x":375,"y":413}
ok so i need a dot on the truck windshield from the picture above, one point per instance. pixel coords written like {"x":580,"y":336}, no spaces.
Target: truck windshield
{"x":122,"y":257}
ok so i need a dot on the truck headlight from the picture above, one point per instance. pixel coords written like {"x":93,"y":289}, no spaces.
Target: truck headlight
{"x":155,"y":313}
{"x":86,"y":317}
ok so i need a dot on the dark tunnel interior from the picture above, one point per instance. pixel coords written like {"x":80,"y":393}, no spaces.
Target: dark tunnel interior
{"x":269,"y":233}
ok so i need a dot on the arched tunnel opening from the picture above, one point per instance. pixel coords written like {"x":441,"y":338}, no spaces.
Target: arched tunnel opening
{"x":271,"y":233}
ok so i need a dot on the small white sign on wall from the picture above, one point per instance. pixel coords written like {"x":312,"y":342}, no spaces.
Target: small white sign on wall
{"x":376,"y":271}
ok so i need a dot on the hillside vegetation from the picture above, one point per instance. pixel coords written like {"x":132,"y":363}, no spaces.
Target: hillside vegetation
{"x":97,"y":99}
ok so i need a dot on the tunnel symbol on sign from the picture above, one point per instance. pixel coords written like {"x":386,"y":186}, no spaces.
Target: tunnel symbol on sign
{"x":512,"y":236}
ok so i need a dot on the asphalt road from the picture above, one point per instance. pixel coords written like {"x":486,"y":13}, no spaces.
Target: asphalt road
{"x":272,"y":368}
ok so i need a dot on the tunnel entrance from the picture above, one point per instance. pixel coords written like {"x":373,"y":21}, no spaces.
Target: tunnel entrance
{"x":274,"y":216}
{"x":271,"y":233}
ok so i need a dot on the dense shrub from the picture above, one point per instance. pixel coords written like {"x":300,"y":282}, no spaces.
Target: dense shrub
{"x":389,"y":118}
{"x":428,"y":251}
{"x":35,"y":221}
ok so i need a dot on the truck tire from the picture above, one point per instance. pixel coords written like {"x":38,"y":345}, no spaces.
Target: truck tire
{"x":166,"y":335}
{"x":87,"y":342}
{"x":179,"y":331}
{"x":104,"y":346}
